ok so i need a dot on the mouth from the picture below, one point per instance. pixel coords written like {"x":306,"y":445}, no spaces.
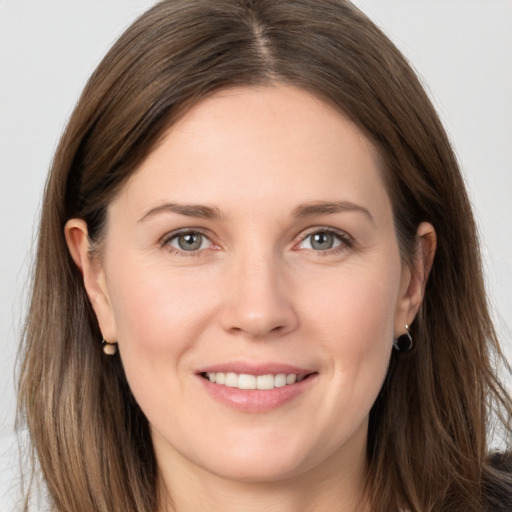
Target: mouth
{"x":257,"y":387}
{"x":246,"y":381}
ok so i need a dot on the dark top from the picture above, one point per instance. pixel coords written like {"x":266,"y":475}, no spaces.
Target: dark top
{"x":498,"y":491}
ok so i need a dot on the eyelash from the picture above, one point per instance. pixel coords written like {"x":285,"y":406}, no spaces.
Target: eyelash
{"x":166,"y":240}
{"x":346,"y":241}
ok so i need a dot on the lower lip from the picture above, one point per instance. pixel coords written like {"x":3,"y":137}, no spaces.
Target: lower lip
{"x":256,"y":400}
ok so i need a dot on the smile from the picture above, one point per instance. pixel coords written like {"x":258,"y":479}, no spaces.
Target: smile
{"x":247,"y":381}
{"x":259,"y":393}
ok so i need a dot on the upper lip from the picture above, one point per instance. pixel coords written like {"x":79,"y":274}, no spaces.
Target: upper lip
{"x":255,"y":368}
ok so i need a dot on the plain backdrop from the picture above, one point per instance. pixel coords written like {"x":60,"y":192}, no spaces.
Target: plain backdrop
{"x":462,"y":49}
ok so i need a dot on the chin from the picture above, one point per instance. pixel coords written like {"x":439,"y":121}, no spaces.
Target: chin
{"x":258,"y":470}
{"x":264,"y":460}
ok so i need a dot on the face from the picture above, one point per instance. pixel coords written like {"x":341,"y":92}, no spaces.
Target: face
{"x":252,"y":278}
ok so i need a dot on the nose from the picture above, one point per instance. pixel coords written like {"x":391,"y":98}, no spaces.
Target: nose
{"x":258,"y":302}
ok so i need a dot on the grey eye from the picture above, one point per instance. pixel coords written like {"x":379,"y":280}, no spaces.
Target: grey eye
{"x":189,"y":241}
{"x":321,"y":241}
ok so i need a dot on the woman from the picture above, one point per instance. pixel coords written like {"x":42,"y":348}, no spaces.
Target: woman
{"x":258,"y":282}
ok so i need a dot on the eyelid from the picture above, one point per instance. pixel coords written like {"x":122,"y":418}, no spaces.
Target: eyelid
{"x":345,"y":239}
{"x":165,"y":240}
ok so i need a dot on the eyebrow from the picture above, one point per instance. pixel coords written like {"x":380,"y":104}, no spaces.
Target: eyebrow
{"x":326,"y":208}
{"x":189,"y":210}
{"x":301,"y":211}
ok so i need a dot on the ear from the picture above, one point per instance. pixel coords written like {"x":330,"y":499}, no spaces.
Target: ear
{"x":77,"y":238}
{"x":414,"y":279}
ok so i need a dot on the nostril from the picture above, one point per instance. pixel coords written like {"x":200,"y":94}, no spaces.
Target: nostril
{"x":255,"y":307}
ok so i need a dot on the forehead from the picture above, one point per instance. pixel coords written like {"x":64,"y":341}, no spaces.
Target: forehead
{"x":259,"y":142}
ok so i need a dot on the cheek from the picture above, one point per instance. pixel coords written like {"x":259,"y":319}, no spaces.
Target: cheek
{"x":161,"y":317}
{"x":357,"y":306}
{"x":356,"y":319}
{"x":156,"y":309}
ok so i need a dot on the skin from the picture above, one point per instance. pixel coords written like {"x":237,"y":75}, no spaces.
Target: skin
{"x":256,"y":290}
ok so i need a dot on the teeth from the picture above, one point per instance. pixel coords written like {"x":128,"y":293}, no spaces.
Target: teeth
{"x":280,"y":380}
{"x":246,"y":381}
{"x":231,"y":380}
{"x":290,"y":379}
{"x":265,"y":382}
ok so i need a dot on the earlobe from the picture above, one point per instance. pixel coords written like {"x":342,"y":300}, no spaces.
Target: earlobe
{"x":416,"y":277}
{"x":77,"y":239}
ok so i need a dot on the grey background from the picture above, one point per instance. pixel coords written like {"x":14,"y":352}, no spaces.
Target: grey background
{"x":461,"y":48}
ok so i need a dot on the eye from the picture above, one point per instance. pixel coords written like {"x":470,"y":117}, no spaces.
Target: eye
{"x":324,"y":240}
{"x":189,"y":241}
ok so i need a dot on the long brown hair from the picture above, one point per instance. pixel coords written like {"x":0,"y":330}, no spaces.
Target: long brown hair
{"x":428,"y":438}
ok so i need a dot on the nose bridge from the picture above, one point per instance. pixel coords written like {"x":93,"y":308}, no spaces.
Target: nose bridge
{"x":258,"y":301}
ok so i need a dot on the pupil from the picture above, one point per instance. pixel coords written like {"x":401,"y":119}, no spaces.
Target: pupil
{"x":322,"y":241}
{"x":190,"y":241}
